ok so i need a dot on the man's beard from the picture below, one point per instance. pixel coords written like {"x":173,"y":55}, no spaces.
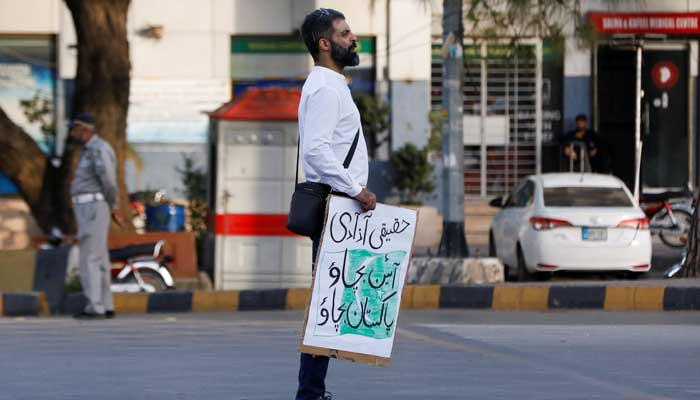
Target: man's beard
{"x":345,"y":56}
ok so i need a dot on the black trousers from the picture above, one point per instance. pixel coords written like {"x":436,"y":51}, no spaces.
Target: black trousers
{"x":312,"y":369}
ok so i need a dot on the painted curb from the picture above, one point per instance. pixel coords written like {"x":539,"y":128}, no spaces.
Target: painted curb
{"x":23,"y":304}
{"x":504,"y":297}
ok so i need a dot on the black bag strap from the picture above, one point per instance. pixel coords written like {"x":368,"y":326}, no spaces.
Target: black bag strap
{"x":348,"y":158}
{"x":351,"y":152}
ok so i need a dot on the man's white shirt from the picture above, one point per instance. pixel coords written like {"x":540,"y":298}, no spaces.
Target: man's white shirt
{"x":328,"y":122}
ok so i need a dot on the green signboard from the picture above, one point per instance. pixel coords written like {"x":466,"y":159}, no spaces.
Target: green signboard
{"x":284,"y":45}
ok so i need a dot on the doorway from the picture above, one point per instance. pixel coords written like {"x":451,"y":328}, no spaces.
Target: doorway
{"x":665,"y":158}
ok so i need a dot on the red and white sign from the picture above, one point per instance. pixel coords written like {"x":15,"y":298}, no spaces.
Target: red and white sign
{"x":665,"y":23}
{"x":664,"y":74}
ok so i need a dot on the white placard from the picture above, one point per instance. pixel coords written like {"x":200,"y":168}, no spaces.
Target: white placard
{"x":359,"y":277}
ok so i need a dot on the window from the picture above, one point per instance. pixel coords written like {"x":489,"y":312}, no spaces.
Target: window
{"x":522,"y":196}
{"x":527,"y":195}
{"x":586,"y":197}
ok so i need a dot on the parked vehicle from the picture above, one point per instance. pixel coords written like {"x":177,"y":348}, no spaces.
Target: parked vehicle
{"x":570,"y":221}
{"x":140,"y":268}
{"x":669,"y":219}
{"x":675,"y":270}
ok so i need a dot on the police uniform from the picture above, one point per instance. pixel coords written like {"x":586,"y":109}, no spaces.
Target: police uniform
{"x":94,"y":192}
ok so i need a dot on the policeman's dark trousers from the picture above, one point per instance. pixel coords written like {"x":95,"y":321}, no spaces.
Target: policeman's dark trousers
{"x":312,"y":369}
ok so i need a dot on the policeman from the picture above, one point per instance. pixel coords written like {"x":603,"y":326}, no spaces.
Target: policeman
{"x":94,"y":192}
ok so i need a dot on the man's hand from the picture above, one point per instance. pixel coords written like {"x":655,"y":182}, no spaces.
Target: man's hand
{"x":367,"y":199}
{"x":117,"y":218}
{"x":569,"y":152}
{"x":572,"y":154}
{"x":593,"y":152}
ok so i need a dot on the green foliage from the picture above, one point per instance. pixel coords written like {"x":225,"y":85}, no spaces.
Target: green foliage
{"x":493,"y":20}
{"x":73,"y":285}
{"x":195,"y":181}
{"x":412,"y":173}
{"x":375,"y":116}
{"x":40,"y":109}
{"x":437,"y":118}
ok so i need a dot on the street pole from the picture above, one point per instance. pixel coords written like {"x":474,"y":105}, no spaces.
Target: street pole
{"x":453,"y":243}
{"x":538,"y":106}
{"x":638,"y":124}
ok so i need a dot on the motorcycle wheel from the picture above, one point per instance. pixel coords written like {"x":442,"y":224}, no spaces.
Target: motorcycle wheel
{"x":153,"y":281}
{"x":676,"y":238}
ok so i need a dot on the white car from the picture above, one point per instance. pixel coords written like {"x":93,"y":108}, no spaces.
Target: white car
{"x":570,"y":221}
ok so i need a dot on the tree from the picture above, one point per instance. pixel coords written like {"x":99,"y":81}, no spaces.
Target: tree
{"x":194,"y":179}
{"x":412,"y":173}
{"x":437,"y":118}
{"x":375,"y":116}
{"x":691,"y":266}
{"x":40,"y":109}
{"x":101,"y":88}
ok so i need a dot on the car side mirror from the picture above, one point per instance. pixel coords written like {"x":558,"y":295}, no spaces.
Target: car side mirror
{"x":497,"y":202}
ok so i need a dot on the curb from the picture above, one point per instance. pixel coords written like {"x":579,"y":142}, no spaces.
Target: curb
{"x":24,"y":304}
{"x":496,"y":297}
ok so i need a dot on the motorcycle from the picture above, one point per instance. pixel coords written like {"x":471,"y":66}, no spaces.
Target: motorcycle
{"x":675,"y":269}
{"x":140,"y":268}
{"x":669,"y":219}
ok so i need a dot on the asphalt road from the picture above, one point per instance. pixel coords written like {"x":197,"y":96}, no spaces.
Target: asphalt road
{"x":446,"y":354}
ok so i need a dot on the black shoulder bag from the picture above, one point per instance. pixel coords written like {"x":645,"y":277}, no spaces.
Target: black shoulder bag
{"x":306,"y":212}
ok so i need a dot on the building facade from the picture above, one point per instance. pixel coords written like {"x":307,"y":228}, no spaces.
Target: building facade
{"x":512,"y":129}
{"x":190,"y":56}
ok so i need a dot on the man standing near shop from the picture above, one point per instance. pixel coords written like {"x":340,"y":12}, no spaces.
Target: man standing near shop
{"x":329,"y":123}
{"x":94,"y":193}
{"x":598,"y":151}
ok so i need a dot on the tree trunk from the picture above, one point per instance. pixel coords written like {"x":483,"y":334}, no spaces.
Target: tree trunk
{"x":101,"y":88}
{"x":691,"y":268}
{"x":102,"y":80}
{"x":27,"y":167}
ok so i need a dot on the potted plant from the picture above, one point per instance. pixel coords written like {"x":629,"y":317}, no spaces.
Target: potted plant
{"x":413,"y":175}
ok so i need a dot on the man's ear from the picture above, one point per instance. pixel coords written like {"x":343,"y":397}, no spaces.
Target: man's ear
{"x":324,"y":44}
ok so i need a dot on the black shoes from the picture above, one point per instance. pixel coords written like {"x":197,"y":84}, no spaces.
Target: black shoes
{"x":83,"y":315}
{"x":327,"y":396}
{"x":109,"y":314}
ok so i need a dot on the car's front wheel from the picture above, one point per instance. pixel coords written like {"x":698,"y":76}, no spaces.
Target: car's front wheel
{"x":523,"y":274}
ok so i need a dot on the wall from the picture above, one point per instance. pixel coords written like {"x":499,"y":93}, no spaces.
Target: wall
{"x":160,"y":164}
{"x":194,"y":53}
{"x":409,"y":72}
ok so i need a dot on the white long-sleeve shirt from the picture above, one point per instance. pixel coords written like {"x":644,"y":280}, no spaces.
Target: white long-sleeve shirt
{"x":328,"y":122}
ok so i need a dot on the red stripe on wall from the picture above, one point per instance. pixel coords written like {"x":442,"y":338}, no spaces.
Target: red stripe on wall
{"x":252,"y":225}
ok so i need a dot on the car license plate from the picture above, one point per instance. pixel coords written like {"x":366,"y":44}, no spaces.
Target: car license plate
{"x":597,"y":234}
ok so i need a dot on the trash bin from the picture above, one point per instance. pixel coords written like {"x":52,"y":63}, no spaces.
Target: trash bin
{"x":165,"y":218}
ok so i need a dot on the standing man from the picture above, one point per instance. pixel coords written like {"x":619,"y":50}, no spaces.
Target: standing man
{"x":328,"y":124}
{"x":598,"y":152}
{"x":94,"y":192}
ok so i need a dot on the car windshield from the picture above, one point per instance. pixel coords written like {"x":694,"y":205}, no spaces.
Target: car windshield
{"x":586,"y":197}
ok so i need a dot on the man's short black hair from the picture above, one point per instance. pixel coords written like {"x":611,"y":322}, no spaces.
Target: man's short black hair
{"x":317,"y":25}
{"x":581,"y":117}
